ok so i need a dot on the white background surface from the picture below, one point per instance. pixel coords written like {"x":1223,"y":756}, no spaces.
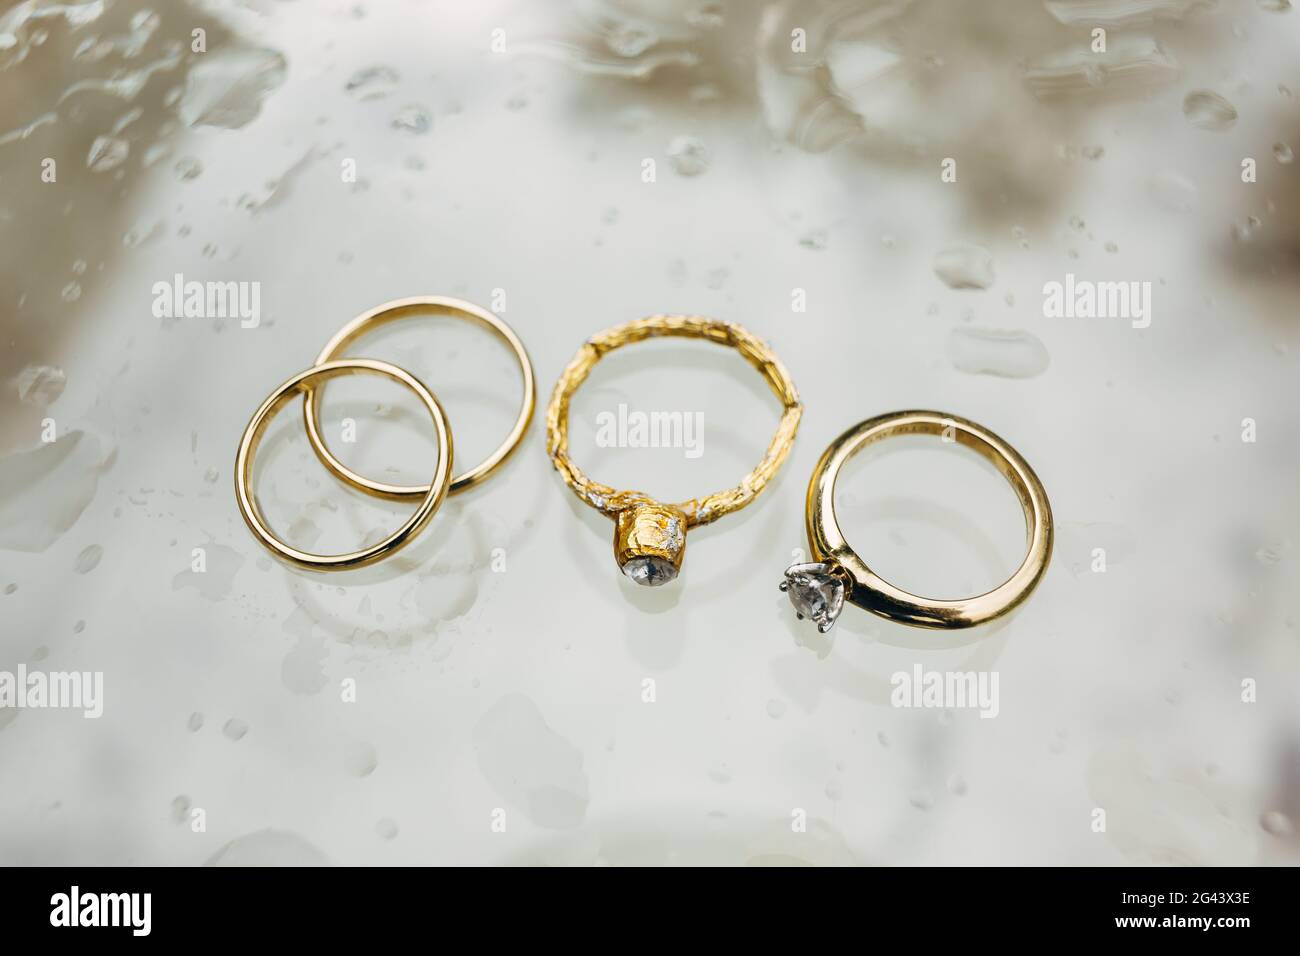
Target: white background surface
{"x":523,"y":690}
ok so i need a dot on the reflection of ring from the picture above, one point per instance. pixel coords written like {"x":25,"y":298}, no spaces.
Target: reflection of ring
{"x":818,"y":590}
{"x":649,"y":535}
{"x":433,"y":496}
{"x":392,"y":312}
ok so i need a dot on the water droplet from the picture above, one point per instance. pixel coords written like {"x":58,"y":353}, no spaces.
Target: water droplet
{"x":40,"y":385}
{"x":957,"y":785}
{"x":688,"y":155}
{"x":10,"y":588}
{"x":776,"y":708}
{"x":386,"y":828}
{"x":210,"y":476}
{"x":1275,"y":6}
{"x":1276,"y":823}
{"x":814,"y":239}
{"x":188,"y":168}
{"x":965,"y":266}
{"x":1271,"y":554}
{"x":372,"y":83}
{"x":180,"y":808}
{"x":89,"y":559}
{"x":235,"y":728}
{"x":1282,"y":153}
{"x":225,"y":88}
{"x":1245,"y":231}
{"x":413,"y":119}
{"x":107,"y":152}
{"x":1112,"y":247}
{"x":629,"y":39}
{"x":71,"y":292}
{"x":1093,"y":152}
{"x":1011,"y":353}
{"x":707,"y":16}
{"x":360,"y":759}
{"x":922,"y":799}
{"x":195,"y":723}
{"x":1208,"y":110}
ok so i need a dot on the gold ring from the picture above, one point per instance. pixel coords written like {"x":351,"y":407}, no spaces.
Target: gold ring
{"x":649,"y":535}
{"x":392,"y":312}
{"x":818,"y":589}
{"x":433,"y":497}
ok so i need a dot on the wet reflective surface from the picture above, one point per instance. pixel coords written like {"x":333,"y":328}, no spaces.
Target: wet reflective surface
{"x":883,"y":191}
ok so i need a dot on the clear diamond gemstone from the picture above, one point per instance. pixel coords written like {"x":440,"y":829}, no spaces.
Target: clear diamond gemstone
{"x":650,"y":571}
{"x":816,"y":592}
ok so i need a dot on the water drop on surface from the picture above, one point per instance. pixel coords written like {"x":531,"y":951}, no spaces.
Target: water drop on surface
{"x":40,"y":385}
{"x":372,"y":83}
{"x":195,"y":723}
{"x":815,"y":239}
{"x":630,"y":39}
{"x":776,"y":709}
{"x":965,"y":266}
{"x":107,"y":152}
{"x":1276,"y":823}
{"x":688,"y":155}
{"x":89,"y":559}
{"x":1208,"y":110}
{"x":188,"y":168}
{"x":1012,"y":353}
{"x":235,"y":728}
{"x":386,"y":828}
{"x":1282,"y":153}
{"x":413,"y":119}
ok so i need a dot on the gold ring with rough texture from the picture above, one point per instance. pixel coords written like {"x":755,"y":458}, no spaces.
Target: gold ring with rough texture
{"x":394,"y":311}
{"x":649,"y":535}
{"x":433,"y":497}
{"x":818,"y":589}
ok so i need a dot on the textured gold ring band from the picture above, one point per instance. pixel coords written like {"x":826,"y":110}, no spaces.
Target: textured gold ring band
{"x":395,"y":311}
{"x":303,"y":382}
{"x":650,"y":536}
{"x":814,"y":587}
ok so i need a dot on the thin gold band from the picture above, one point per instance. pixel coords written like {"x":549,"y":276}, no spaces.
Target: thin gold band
{"x":698,"y":511}
{"x":302,"y":382}
{"x":395,"y":311}
{"x":871,"y":592}
{"x":649,"y":535}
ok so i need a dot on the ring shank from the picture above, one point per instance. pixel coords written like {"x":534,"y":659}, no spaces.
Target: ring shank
{"x":698,"y":511}
{"x":257,"y":425}
{"x":872,"y":592}
{"x":396,"y":311}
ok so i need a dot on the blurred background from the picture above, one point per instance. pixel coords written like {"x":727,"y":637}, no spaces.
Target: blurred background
{"x":574,"y":165}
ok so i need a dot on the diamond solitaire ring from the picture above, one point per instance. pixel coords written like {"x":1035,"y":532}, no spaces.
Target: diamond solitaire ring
{"x":819,"y":589}
{"x":650,"y":535}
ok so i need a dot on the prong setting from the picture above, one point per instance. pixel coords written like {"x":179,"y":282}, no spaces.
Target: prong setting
{"x":816,"y":590}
